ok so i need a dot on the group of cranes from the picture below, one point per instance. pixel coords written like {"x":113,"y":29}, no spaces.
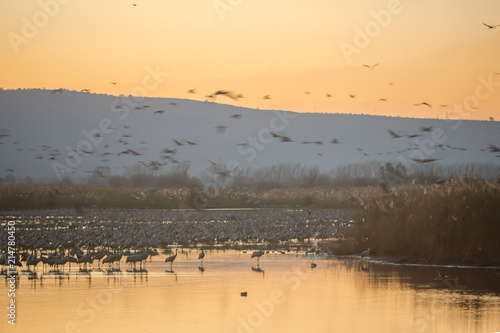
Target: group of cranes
{"x":59,"y":258}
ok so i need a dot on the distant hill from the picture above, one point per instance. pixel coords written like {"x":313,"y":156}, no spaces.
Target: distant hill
{"x":39,"y":128}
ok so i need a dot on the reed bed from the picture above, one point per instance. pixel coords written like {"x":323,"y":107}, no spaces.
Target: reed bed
{"x":451,"y":222}
{"x":455,"y":222}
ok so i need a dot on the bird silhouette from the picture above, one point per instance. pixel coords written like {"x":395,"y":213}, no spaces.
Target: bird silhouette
{"x":171,"y":259}
{"x":491,"y":26}
{"x":424,"y":160}
{"x":201,"y":256}
{"x":226,"y":93}
{"x":257,"y":254}
{"x":221,"y":129}
{"x":423,"y":103}
{"x":372,"y":66}
{"x":493,"y":149}
{"x":266,"y":97}
{"x":191,"y":91}
{"x":178,"y":143}
{"x":425,"y":129}
{"x":394,"y":134}
{"x":365,"y":253}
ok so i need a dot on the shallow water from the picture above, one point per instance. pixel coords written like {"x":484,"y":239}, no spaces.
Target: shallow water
{"x":287,"y":295}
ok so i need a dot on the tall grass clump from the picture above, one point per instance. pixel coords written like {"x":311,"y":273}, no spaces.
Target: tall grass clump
{"x":455,"y":222}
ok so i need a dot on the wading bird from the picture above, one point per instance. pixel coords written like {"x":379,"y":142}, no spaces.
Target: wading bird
{"x":257,"y":254}
{"x":365,"y":253}
{"x":201,"y":256}
{"x":171,"y":259}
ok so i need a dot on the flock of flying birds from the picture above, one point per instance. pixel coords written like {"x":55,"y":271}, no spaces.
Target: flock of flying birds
{"x":170,"y":154}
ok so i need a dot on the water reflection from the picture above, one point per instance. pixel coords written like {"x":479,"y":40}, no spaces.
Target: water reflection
{"x":292,"y":297}
{"x":258,"y":270}
{"x":172,"y":273}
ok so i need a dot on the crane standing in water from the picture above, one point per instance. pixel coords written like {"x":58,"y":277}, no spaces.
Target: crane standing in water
{"x":257,"y":254}
{"x":201,"y":256}
{"x":171,"y":259}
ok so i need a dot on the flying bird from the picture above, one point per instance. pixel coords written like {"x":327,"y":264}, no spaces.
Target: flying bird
{"x":266,"y":97}
{"x":178,"y":143}
{"x":372,"y":66}
{"x":425,"y":129}
{"x":169,"y":151}
{"x":236,"y":116}
{"x":191,"y":91}
{"x":491,"y":26}
{"x":494,"y":149}
{"x":424,"y":160}
{"x":423,"y":103}
{"x":221,"y":129}
{"x":159,"y":112}
{"x":352,"y":96}
{"x":394,"y":134}
{"x":226,"y":93}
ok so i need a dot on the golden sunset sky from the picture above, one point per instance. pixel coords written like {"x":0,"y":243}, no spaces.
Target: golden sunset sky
{"x":438,"y":52}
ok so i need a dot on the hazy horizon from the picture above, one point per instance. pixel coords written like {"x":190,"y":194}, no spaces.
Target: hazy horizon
{"x":380,"y":57}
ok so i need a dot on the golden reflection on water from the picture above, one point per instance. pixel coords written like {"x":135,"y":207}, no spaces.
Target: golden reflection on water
{"x":285,"y":295}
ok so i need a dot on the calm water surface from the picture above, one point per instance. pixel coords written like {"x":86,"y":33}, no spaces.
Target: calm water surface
{"x":285,"y":295}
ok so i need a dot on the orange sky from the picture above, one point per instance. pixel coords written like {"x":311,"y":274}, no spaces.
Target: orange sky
{"x":437,"y":52}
